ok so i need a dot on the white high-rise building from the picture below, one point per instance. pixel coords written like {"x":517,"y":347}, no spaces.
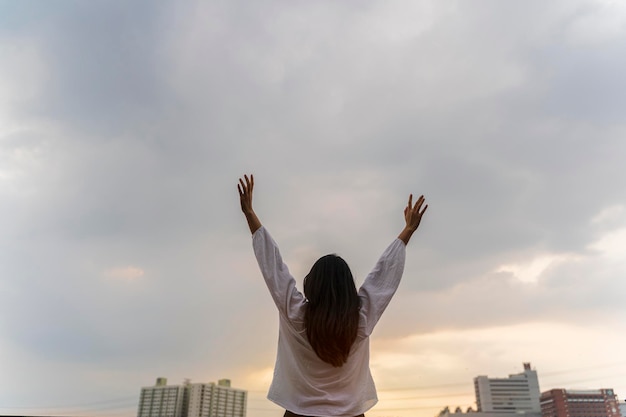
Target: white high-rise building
{"x":211,"y":400}
{"x":161,"y":400}
{"x":192,"y":400}
{"x":519,"y":393}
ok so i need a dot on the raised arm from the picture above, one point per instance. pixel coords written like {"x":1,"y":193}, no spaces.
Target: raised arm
{"x":412,"y":216}
{"x":245,"y":187}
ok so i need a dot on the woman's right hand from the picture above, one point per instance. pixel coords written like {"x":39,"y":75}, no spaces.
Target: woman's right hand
{"x":245,"y":187}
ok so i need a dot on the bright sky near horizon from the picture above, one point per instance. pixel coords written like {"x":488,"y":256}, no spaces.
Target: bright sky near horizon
{"x":124,"y":127}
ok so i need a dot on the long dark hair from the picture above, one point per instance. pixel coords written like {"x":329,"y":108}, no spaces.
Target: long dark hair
{"x":332,"y":314}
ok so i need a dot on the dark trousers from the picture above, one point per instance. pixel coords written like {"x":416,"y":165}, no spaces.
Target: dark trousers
{"x":290,"y":414}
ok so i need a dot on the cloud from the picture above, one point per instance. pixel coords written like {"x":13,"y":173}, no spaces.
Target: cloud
{"x":123,"y":129}
{"x":611,"y":245}
{"x":493,"y":351}
{"x":601,"y":22}
{"x":530,"y":271}
{"x":125,"y":273}
{"x":609,"y":215}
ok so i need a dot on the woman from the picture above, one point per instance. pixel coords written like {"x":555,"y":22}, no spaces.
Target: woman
{"x":322,"y":362}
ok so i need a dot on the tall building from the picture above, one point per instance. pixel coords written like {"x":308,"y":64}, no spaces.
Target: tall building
{"x":192,"y":400}
{"x":211,"y":400}
{"x":519,"y":393}
{"x":580,"y":403}
{"x":161,"y":400}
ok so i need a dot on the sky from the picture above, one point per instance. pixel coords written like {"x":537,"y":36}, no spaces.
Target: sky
{"x":124,"y":127}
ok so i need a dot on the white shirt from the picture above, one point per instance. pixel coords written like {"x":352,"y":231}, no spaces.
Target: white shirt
{"x":303,"y":383}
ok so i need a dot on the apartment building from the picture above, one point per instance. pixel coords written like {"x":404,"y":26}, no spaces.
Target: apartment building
{"x":192,"y":400}
{"x":519,"y":393}
{"x":580,"y":403}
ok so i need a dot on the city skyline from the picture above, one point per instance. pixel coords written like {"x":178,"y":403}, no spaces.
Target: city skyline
{"x":439,"y":399}
{"x":124,"y":127}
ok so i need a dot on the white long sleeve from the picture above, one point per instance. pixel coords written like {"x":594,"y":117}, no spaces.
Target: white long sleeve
{"x":303,"y":383}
